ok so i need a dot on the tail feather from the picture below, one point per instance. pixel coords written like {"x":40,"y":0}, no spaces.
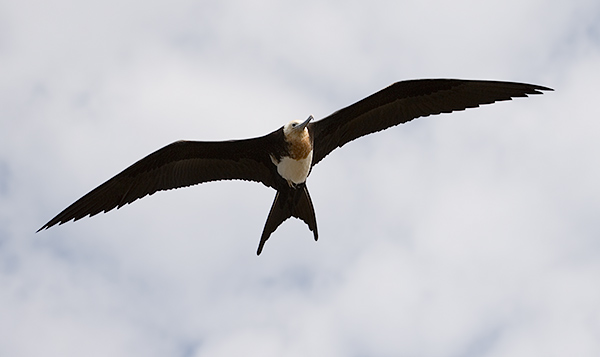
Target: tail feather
{"x":304,"y":210}
{"x":277,"y":215}
{"x":293,"y":202}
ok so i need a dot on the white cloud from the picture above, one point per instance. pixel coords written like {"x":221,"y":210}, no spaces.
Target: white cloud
{"x":468,"y":234}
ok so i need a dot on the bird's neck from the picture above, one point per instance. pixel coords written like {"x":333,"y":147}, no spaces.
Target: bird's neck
{"x":299,"y":145}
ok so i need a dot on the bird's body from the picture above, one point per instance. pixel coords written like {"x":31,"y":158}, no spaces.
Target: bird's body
{"x":295,"y":171}
{"x":295,"y":166}
{"x":284,"y":158}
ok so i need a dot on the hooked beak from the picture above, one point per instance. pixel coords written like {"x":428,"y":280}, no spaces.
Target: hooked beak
{"x":304,"y":124}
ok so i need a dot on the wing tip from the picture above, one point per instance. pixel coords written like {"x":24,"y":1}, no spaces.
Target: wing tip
{"x":537,"y":89}
{"x":47,"y":225}
{"x":53,"y":222}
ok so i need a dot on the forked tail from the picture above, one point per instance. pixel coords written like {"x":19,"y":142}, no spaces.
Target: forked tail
{"x":292,"y":202}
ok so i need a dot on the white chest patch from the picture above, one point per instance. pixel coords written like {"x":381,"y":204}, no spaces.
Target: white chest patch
{"x":295,"y":171}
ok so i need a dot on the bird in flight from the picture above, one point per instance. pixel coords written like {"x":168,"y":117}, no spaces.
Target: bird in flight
{"x":284,"y":158}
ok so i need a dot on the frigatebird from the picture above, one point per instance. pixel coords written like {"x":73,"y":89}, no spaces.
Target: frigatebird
{"x":284,"y":158}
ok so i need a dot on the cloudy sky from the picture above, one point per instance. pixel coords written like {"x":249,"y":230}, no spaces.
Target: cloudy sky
{"x":470,"y":234}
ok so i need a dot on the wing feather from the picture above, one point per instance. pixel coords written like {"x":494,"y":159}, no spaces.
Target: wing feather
{"x":180,"y":164}
{"x":405,"y":101}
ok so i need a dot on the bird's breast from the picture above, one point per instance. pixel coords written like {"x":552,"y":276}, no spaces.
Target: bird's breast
{"x":294,"y":164}
{"x":294,"y":170}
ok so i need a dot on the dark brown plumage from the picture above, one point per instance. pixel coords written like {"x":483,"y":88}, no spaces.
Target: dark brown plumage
{"x":185,"y":163}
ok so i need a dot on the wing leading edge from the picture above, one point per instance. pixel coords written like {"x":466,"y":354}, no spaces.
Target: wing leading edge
{"x":407,"y":100}
{"x":180,"y":164}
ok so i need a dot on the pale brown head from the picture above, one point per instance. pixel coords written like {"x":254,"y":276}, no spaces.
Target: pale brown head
{"x":297,"y":135}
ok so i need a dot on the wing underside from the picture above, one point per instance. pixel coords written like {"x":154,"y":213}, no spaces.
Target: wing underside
{"x":405,"y":101}
{"x":180,"y":164}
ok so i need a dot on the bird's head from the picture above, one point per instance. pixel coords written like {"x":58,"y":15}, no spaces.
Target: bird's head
{"x":296,"y":128}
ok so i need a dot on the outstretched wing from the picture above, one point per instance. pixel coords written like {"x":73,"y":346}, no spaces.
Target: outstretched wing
{"x":180,"y":164}
{"x":407,"y":100}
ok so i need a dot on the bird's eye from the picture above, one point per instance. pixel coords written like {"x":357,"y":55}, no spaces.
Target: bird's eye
{"x":294,"y":125}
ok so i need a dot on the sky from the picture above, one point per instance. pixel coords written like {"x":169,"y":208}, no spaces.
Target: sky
{"x":469,"y":234}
